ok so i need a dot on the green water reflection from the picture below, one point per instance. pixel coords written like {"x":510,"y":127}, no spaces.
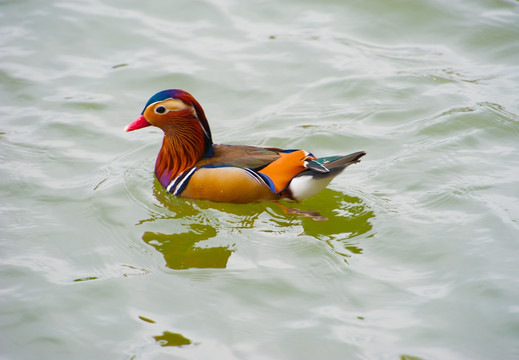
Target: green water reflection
{"x":167,"y":338}
{"x":340,"y":219}
{"x":181,"y":250}
{"x":171,"y":339}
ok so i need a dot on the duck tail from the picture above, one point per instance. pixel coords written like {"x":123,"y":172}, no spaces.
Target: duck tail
{"x":319,"y":175}
{"x":336,"y":164}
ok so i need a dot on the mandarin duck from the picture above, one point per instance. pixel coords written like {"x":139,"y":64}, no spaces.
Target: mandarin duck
{"x":189,"y":164}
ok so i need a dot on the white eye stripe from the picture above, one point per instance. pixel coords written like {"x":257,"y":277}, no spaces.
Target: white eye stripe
{"x":164,"y":106}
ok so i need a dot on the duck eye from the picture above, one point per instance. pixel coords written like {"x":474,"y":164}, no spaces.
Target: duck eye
{"x":160,"y":109}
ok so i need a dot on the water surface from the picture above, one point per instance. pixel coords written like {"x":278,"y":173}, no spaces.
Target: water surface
{"x":418,"y":257}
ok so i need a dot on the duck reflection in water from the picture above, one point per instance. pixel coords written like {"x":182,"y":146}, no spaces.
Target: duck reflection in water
{"x":347,"y":218}
{"x":181,"y":251}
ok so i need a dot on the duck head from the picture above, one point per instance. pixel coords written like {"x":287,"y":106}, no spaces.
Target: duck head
{"x":187,"y":136}
{"x":169,"y":109}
